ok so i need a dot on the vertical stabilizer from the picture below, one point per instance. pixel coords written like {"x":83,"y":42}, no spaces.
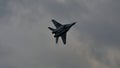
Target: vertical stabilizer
{"x":57,"y":39}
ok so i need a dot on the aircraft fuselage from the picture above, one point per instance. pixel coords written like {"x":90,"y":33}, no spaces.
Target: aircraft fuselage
{"x":59,"y":31}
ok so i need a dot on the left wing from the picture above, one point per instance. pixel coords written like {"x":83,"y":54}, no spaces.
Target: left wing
{"x":64,"y":38}
{"x":56,"y":23}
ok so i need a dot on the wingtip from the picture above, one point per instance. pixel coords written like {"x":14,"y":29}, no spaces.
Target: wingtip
{"x":53,"y":20}
{"x":65,"y":43}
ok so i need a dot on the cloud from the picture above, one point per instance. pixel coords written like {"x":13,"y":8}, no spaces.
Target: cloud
{"x":25,"y":41}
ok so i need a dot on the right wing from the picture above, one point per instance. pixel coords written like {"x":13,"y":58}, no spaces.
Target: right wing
{"x":64,"y":38}
{"x":56,"y":23}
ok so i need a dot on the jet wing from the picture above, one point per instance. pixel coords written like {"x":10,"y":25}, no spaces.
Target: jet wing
{"x":56,"y":23}
{"x":64,"y":38}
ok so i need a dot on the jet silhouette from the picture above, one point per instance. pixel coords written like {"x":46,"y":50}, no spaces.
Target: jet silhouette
{"x":61,"y":30}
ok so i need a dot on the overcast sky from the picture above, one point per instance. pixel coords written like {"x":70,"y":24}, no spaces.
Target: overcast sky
{"x":26,"y":41}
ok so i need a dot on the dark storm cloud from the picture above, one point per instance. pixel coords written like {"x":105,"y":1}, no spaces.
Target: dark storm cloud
{"x":27,"y":43}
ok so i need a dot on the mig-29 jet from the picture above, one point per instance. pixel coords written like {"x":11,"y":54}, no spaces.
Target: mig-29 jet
{"x":61,"y":30}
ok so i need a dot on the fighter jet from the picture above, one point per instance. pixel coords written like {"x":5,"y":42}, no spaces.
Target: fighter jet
{"x":61,"y":30}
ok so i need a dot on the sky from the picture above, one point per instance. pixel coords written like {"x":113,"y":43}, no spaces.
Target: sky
{"x":26,"y":41}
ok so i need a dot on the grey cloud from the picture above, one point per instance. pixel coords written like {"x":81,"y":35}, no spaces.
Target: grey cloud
{"x":27,"y":43}
{"x":3,"y":8}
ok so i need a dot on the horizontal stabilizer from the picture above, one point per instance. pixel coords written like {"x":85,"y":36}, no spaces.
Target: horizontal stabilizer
{"x":52,"y":29}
